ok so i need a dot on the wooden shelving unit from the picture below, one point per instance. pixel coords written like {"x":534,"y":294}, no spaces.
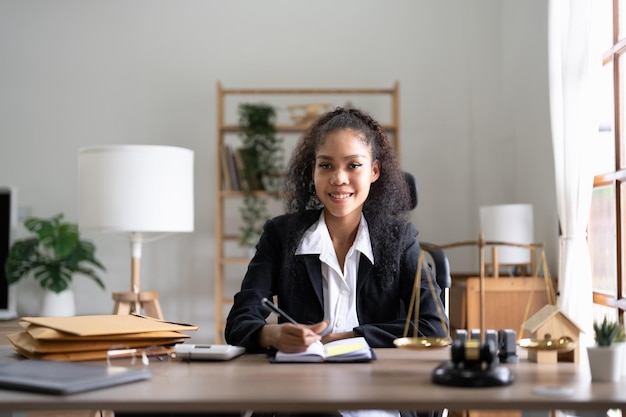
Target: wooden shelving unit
{"x":227,"y":125}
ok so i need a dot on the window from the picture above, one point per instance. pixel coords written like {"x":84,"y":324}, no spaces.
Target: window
{"x":607,"y":229}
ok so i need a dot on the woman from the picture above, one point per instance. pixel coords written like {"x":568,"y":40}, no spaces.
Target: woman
{"x":342,"y":261}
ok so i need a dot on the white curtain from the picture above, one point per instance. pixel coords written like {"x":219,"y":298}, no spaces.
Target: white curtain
{"x":574,"y":124}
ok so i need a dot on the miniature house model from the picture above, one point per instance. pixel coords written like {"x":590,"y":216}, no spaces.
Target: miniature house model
{"x":551,"y":323}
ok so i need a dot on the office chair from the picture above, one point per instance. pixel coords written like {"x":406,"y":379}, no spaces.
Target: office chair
{"x":439,"y":261}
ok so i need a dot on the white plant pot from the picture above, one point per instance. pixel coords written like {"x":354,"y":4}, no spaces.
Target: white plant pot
{"x":622,"y":347}
{"x":605,"y":362}
{"x":58,"y":304}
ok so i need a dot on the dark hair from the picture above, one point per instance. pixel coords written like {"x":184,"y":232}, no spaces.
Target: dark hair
{"x":388,"y":199}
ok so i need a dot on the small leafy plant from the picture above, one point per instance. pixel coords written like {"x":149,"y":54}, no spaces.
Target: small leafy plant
{"x":262,"y":156}
{"x":53,"y":255}
{"x":607,"y":332}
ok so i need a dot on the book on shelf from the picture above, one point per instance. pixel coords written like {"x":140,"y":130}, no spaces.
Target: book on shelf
{"x":354,"y":349}
{"x":230,"y":169}
{"x":226,"y":178}
{"x":233,"y":171}
{"x":243,"y":183}
{"x":247,"y":157}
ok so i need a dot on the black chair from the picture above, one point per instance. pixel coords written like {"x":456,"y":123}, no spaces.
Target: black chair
{"x":439,"y":261}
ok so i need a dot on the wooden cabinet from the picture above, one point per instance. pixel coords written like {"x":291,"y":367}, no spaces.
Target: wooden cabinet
{"x":230,"y":261}
{"x":509,"y":301}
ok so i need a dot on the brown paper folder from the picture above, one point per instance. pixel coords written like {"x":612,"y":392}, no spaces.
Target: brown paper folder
{"x":48,"y":334}
{"x":24,"y":342}
{"x":107,"y":324}
{"x":81,"y":338}
{"x":68,"y":356}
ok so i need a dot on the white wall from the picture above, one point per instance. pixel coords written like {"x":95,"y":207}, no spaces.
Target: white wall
{"x":474,"y":108}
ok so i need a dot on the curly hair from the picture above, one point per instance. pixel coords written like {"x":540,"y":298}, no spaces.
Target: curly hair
{"x":388,"y":199}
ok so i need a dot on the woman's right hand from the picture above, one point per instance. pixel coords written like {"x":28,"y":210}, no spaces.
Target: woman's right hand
{"x":289,"y":338}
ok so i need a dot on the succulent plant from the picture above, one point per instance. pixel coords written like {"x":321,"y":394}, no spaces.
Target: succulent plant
{"x":607,"y":332}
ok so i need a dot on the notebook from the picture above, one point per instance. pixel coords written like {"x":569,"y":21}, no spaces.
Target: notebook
{"x":56,"y":377}
{"x":355,"y":349}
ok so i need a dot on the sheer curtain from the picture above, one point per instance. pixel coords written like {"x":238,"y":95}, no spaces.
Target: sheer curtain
{"x":573,"y":125}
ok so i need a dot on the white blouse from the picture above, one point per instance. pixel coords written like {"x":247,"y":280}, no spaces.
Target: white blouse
{"x":340,"y":287}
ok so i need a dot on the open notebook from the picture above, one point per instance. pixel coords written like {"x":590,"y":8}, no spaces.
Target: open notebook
{"x":355,"y":349}
{"x":56,"y":377}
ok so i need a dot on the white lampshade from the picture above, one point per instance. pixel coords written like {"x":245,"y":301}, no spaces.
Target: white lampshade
{"x":136,"y":188}
{"x":510,"y":223}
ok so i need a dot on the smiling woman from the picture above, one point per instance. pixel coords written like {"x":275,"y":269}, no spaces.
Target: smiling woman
{"x":229,"y":260}
{"x":348,"y":203}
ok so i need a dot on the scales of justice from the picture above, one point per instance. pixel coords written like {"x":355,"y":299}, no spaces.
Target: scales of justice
{"x":475,"y":362}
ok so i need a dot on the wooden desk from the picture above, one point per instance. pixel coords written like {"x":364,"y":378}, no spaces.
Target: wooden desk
{"x":399,"y":379}
{"x":506,"y":299}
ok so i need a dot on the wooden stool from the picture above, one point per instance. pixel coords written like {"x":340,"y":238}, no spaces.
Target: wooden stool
{"x":126,"y":303}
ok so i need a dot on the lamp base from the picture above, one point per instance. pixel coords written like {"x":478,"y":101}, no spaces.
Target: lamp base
{"x":127,"y":301}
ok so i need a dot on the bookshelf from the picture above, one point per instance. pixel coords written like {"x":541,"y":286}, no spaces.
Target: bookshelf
{"x":381,"y":103}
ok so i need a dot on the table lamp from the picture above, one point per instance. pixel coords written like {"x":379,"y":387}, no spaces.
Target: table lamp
{"x":508,"y":223}
{"x":144,"y":191}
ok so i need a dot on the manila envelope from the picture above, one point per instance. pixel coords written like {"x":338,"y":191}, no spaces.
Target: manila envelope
{"x":24,"y":342}
{"x":110,"y":324}
{"x":69,"y":356}
{"x":46,"y":333}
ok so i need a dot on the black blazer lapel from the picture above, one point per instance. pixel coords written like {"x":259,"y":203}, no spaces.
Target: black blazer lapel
{"x":314,"y":273}
{"x":365,"y":270}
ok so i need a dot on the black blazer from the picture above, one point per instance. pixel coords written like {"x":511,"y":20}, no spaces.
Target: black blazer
{"x":297,"y":280}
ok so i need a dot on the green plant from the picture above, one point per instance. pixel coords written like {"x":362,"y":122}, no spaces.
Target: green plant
{"x":262,"y":156}
{"x":621,"y":336}
{"x":607,"y":332}
{"x":53,"y":256}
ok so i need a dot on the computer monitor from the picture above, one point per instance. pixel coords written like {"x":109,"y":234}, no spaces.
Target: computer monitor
{"x":8,"y":224}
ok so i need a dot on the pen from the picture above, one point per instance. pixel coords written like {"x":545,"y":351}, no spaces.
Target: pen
{"x":267,"y":303}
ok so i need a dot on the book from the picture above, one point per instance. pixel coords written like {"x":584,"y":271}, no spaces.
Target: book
{"x":232,"y":169}
{"x":249,"y":172}
{"x":243,"y":183}
{"x":226,"y":179}
{"x":354,"y":349}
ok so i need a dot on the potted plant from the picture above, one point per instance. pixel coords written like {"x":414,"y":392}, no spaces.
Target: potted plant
{"x":53,"y":256}
{"x":605,"y":357}
{"x":261,"y":156}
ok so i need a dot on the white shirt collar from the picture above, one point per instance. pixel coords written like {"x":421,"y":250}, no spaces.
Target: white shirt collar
{"x":316,"y":240}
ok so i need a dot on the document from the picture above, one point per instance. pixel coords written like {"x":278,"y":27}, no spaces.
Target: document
{"x":107,"y":324}
{"x":355,"y":349}
{"x":83,"y":338}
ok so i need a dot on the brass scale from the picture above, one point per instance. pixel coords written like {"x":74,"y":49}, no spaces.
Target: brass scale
{"x":474,"y":362}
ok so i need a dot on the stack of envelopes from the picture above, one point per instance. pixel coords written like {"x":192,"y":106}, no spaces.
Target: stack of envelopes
{"x":81,"y":338}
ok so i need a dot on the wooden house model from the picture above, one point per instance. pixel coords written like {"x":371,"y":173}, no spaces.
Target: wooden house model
{"x":551,"y":323}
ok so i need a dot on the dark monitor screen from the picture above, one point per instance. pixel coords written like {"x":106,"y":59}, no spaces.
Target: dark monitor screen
{"x":7,"y":216}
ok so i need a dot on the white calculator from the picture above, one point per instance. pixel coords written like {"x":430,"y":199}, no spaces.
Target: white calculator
{"x":191,"y":352}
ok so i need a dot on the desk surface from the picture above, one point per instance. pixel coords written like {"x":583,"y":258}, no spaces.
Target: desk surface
{"x":399,"y":379}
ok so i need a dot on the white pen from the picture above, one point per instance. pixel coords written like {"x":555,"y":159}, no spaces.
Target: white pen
{"x":267,"y":303}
